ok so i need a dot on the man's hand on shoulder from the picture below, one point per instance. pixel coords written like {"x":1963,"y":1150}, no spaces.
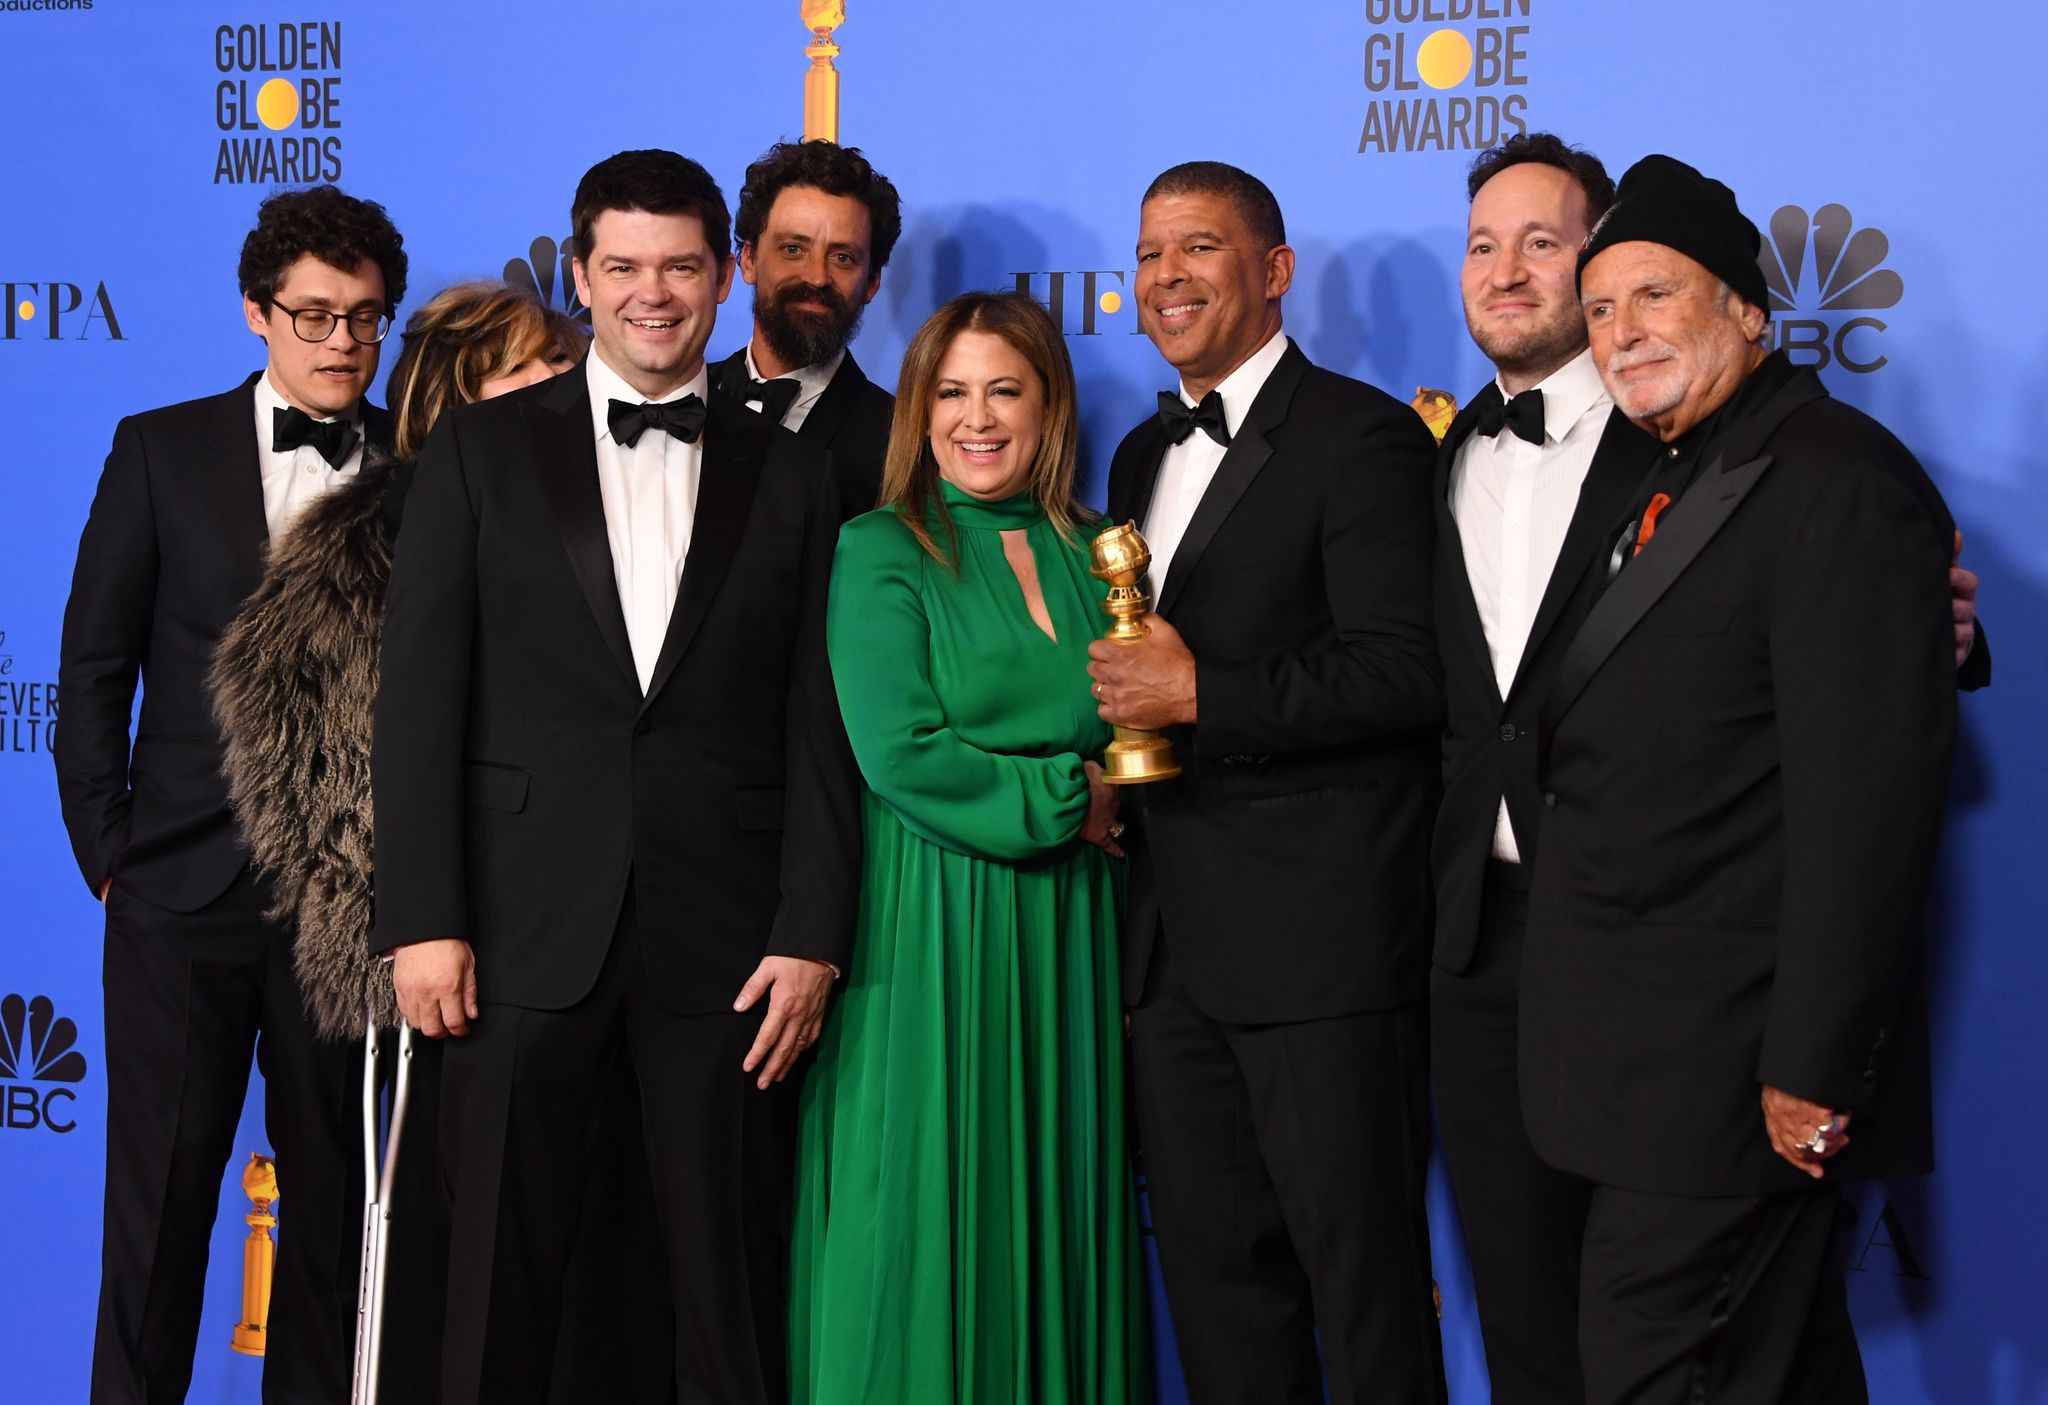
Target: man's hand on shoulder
{"x":1962,"y":589}
{"x":797,"y":990}
{"x":436,"y":985}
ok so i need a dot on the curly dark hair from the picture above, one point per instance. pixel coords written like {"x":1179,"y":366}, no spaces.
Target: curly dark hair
{"x":339,"y":230}
{"x":1247,"y":194}
{"x":832,"y":168}
{"x":1545,"y":149}
{"x":656,"y":182}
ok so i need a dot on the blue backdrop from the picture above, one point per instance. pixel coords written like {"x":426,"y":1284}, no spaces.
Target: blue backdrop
{"x":1884,"y":146}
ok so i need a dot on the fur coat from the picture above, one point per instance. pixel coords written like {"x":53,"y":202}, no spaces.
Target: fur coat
{"x":294,"y":679}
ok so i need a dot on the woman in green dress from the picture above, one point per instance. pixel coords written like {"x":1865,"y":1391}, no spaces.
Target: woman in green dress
{"x":966,"y":1227}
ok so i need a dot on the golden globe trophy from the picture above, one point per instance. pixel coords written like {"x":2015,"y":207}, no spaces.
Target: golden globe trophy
{"x":259,"y":1256}
{"x":1119,"y":556}
{"x":1437,"y":408}
{"x":821,"y":80}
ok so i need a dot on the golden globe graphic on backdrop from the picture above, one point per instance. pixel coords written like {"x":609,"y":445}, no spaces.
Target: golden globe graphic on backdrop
{"x":1445,"y":75}
{"x":1826,"y":268}
{"x":277,"y":103}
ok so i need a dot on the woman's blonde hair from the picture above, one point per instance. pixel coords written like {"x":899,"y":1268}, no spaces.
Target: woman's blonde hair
{"x":910,"y":475}
{"x":465,"y":336}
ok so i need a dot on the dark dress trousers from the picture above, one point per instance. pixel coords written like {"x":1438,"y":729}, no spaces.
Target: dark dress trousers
{"x":196,"y":977}
{"x":1523,"y":1220}
{"x":849,"y":425}
{"x":619,"y":863}
{"x":1743,"y":760}
{"x":1279,"y":907}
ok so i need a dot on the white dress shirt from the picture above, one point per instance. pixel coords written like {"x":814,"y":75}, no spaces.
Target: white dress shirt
{"x":1186,"y":470}
{"x":1513,"y":502}
{"x":650,"y":504}
{"x":811,"y":382}
{"x":295,"y":479}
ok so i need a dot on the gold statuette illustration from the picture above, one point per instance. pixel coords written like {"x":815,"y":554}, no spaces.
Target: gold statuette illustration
{"x":1120,"y":557}
{"x":821,"y":82}
{"x":1437,"y":408}
{"x":259,"y":1256}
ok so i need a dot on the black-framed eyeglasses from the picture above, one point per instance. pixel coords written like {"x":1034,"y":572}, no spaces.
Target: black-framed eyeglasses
{"x":316,"y":324}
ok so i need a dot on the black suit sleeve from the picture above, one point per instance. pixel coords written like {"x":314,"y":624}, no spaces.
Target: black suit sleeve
{"x":1379,"y":677}
{"x":1863,"y":676}
{"x":106,"y":628}
{"x":821,"y":847}
{"x":422,"y":713}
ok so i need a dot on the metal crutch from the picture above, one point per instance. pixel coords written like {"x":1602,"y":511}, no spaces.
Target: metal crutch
{"x":377,"y":1188}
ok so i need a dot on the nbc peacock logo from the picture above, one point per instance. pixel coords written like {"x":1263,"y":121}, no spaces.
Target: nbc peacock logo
{"x":37,"y":1062}
{"x":1825,"y":267}
{"x":545,"y":271}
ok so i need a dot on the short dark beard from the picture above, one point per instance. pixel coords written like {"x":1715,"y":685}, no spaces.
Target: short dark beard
{"x":805,"y":338}
{"x":1545,"y":350}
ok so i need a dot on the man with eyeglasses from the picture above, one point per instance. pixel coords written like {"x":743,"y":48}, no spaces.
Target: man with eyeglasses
{"x":196,"y":973}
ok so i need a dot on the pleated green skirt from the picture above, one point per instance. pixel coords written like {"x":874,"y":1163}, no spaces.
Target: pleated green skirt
{"x":966,"y":1227}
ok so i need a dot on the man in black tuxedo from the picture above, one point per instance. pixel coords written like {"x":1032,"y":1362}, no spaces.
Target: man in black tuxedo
{"x":1743,"y":755}
{"x":197,"y":973}
{"x":815,"y":227}
{"x":1276,"y":946}
{"x":616,"y":812}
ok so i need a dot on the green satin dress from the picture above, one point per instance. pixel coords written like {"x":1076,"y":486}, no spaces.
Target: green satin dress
{"x":966,"y":1227}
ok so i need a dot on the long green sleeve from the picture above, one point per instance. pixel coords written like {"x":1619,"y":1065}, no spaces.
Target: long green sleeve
{"x":1007,"y":807}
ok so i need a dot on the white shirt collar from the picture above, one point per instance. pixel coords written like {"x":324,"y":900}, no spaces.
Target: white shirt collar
{"x":607,"y":385}
{"x":1568,"y":392}
{"x":811,"y":380}
{"x":1241,"y":387}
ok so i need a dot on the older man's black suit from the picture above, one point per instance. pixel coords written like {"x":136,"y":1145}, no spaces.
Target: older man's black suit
{"x":196,"y":977}
{"x":849,"y":424}
{"x":619,"y":863}
{"x":1277,"y":941}
{"x":1745,"y":753}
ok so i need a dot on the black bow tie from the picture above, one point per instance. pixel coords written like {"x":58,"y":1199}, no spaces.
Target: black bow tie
{"x":679,"y":419}
{"x":1179,"y":421}
{"x":776,"y":395}
{"x":290,"y":427}
{"x":1523,"y":414}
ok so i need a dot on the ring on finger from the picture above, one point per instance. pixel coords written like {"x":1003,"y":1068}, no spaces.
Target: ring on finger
{"x":1817,"y":1143}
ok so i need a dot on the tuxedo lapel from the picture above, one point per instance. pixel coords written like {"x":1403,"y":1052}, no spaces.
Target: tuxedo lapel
{"x":234,"y":484}
{"x":726,"y":481}
{"x":1463,"y":606}
{"x":1708,"y":505}
{"x":832,"y":407}
{"x":1248,"y":452}
{"x":567,"y":464}
{"x":1131,"y":504}
{"x":1622,"y":457}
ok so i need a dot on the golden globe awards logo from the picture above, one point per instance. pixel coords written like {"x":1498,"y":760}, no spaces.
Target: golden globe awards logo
{"x":1827,"y":268}
{"x":58,"y":311}
{"x":278,"y":103}
{"x":1445,"y":75}
{"x":37,"y":1063}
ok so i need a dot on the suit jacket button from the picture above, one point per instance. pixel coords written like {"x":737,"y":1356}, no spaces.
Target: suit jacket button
{"x":642,"y":727}
{"x":1507,"y":731}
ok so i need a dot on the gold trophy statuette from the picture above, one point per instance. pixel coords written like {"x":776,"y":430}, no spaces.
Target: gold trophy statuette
{"x":821,"y":80}
{"x":1437,"y":408}
{"x":259,"y":1256}
{"x":1119,"y":556}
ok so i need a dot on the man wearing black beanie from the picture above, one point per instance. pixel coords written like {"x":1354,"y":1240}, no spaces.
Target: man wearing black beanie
{"x":1743,"y":759}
